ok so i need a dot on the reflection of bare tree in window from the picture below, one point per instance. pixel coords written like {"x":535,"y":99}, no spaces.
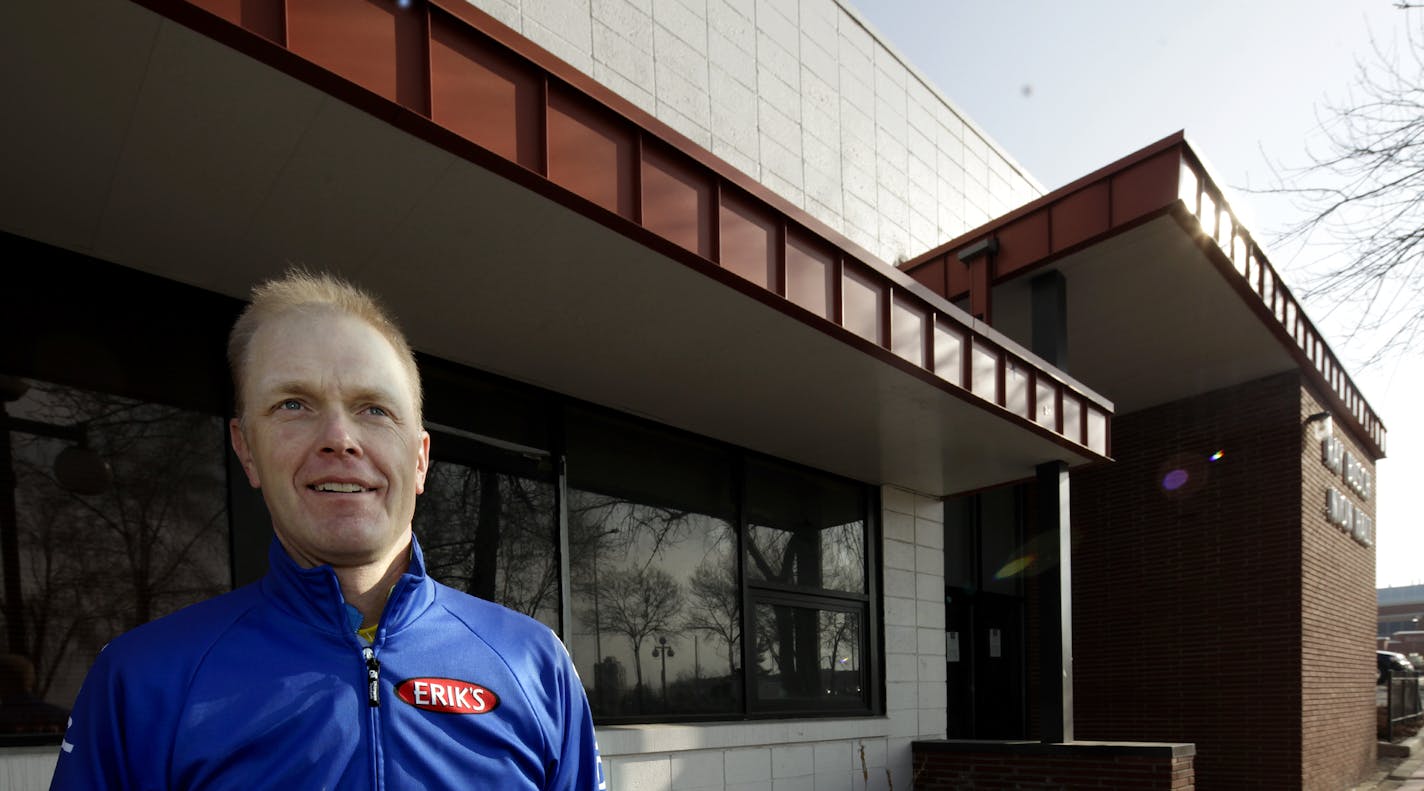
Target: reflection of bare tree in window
{"x":840,"y":629}
{"x":97,"y":565}
{"x":630,"y":566}
{"x":811,"y":557}
{"x":618,"y":525}
{"x":491,"y":535}
{"x":789,"y":639}
{"x":715,"y":608}
{"x":811,"y":652}
{"x":832,"y":558}
{"x":844,"y":564}
{"x":637,"y":603}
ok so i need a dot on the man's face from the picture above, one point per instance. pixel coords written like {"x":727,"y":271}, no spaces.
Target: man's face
{"x":330,"y":435}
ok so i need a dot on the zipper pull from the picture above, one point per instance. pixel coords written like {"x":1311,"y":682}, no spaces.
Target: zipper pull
{"x":373,"y":676}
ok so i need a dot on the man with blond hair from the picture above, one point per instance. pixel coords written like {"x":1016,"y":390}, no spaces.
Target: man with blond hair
{"x":346,"y":666}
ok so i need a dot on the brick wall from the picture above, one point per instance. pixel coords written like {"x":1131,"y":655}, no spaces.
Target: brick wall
{"x":961,"y":766}
{"x":1338,"y":604}
{"x":1187,"y":584}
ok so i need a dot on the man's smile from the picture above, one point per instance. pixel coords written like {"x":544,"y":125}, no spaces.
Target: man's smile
{"x":340,"y":487}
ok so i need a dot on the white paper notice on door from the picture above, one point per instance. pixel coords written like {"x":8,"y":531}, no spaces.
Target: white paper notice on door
{"x":951,"y":646}
{"x":996,"y":644}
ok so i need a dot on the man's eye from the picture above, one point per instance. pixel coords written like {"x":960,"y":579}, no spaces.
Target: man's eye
{"x":377,"y":411}
{"x":290,"y":404}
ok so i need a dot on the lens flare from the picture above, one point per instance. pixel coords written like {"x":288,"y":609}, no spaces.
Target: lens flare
{"x":1015,"y":567}
{"x":1216,"y":456}
{"x":1174,"y":480}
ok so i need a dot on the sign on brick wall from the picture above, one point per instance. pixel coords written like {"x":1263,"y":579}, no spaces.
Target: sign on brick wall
{"x":1339,"y":508}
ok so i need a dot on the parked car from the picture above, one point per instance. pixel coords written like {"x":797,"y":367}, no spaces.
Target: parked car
{"x":1391,"y":661}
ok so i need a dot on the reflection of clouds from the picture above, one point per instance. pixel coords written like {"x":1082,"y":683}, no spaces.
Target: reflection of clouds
{"x":831,"y":558}
{"x":612,"y":536}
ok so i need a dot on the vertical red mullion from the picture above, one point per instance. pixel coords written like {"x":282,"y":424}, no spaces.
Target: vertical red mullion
{"x":966,"y":361}
{"x":1196,"y":209}
{"x":715,"y":226}
{"x":427,"y":64}
{"x":1032,"y":399}
{"x":544,"y":157}
{"x":837,"y":310}
{"x":1260,"y":277}
{"x":413,"y":60}
{"x":927,"y":339}
{"x":931,"y":327}
{"x":1058,"y":407}
{"x":638,"y":176}
{"x":265,"y":19}
{"x":1107,"y":437}
{"x":778,"y":276}
{"x":1083,"y":421}
{"x":887,"y":306}
{"x":1001,"y":375}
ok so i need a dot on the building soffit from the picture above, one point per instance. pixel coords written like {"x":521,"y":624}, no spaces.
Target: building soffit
{"x":1169,"y":294}
{"x":442,"y":159}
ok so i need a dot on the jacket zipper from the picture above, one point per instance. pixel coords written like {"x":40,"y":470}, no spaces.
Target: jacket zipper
{"x":373,"y":676}
{"x":373,"y":700}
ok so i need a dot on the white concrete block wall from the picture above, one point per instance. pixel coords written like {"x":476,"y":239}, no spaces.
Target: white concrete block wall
{"x":820,"y":755}
{"x":27,"y":768}
{"x":803,"y":96}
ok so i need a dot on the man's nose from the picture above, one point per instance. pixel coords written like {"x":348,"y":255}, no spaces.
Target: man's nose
{"x":338,"y":434}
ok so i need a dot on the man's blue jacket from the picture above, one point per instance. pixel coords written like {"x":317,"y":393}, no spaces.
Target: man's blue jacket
{"x":269,"y":687}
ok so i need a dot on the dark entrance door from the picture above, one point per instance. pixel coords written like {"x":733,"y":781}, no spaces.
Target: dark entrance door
{"x":985,"y":667}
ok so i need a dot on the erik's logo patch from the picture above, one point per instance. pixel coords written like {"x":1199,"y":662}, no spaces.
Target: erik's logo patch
{"x":447,"y":695}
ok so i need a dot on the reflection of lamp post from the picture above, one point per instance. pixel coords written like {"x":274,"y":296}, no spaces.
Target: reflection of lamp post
{"x":598,"y":688}
{"x":78,"y":469}
{"x":662,"y":651}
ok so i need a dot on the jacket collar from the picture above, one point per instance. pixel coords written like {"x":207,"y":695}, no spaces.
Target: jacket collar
{"x":313,"y":596}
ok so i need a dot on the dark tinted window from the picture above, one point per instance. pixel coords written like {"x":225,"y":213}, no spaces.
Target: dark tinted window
{"x":808,"y":582}
{"x":656,"y":615}
{"x":488,"y":524}
{"x":119,"y":517}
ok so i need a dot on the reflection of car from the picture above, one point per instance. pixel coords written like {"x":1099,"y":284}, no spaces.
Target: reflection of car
{"x":1390,"y":661}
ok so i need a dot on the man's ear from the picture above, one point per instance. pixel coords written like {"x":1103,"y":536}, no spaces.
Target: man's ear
{"x":422,"y":462}
{"x":244,"y":455}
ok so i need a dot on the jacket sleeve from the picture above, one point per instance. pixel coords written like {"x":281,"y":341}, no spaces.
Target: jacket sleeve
{"x":111,"y":739}
{"x":578,"y":766}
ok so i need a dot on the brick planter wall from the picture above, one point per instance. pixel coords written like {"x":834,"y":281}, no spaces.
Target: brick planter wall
{"x":954,"y":765}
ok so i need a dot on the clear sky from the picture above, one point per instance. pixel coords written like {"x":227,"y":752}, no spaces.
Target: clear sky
{"x":1066,"y":88}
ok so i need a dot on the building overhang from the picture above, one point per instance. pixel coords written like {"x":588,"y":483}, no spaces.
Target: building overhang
{"x":1168,"y":294}
{"x":520,"y":219}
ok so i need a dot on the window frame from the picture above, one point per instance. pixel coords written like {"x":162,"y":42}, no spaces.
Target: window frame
{"x":867,"y":603}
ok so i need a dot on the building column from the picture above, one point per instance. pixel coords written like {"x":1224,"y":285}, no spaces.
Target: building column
{"x":1055,"y":602}
{"x":1055,"y":590}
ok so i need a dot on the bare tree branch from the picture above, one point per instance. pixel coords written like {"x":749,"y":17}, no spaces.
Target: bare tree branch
{"x":1361,"y":197}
